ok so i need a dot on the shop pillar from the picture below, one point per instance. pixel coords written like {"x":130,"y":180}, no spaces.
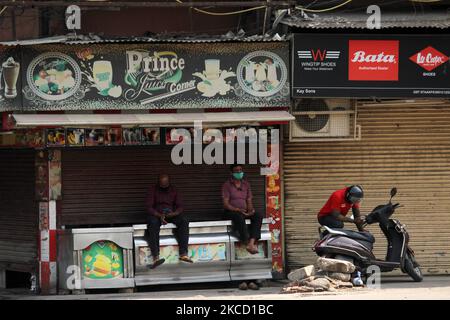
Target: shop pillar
{"x":274,"y":212}
{"x":48,"y":194}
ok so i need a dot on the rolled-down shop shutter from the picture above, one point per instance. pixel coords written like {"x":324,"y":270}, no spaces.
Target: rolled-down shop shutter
{"x":108,"y":186}
{"x":18,"y":211}
{"x":404,"y":144}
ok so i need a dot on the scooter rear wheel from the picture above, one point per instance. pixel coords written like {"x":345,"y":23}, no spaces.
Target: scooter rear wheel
{"x":412,"y":268}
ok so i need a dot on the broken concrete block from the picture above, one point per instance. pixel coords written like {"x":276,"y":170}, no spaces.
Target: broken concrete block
{"x":343,"y":284}
{"x":319,"y":284}
{"x":334,"y":265}
{"x":301,"y":273}
{"x":340,"y":276}
{"x":305,"y":281}
{"x":296,"y":289}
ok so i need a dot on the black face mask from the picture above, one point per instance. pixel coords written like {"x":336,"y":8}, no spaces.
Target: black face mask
{"x":164,"y":188}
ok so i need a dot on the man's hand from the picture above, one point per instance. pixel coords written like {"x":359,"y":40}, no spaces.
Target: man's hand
{"x":360,"y":220}
{"x":163,"y":220}
{"x":250,"y":212}
{"x":243,"y":211}
{"x":170,"y":215}
{"x":159,"y":215}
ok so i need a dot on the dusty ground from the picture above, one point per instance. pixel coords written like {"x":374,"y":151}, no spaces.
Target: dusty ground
{"x":391,"y":288}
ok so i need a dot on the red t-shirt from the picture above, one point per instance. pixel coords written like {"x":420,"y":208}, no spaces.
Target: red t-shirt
{"x":337,"y":202}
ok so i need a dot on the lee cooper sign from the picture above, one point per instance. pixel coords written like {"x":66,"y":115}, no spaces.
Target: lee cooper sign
{"x":371,"y":66}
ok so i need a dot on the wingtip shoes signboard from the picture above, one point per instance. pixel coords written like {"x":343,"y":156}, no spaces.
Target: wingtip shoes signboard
{"x":157,"y":76}
{"x":384,"y":66}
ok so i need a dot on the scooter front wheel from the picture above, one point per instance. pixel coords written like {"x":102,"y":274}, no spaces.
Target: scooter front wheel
{"x":412,"y":268}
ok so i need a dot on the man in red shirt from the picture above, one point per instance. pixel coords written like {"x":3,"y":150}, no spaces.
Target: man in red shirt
{"x":333,"y":213}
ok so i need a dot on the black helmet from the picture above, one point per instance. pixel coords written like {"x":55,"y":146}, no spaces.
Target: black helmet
{"x":354,"y":194}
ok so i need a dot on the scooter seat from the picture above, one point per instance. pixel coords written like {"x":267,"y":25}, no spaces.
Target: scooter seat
{"x":364,"y":236}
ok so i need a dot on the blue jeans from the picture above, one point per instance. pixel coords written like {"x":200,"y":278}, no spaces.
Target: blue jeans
{"x":331,"y":222}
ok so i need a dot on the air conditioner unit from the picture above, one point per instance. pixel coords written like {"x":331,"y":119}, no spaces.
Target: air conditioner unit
{"x":323,"y":119}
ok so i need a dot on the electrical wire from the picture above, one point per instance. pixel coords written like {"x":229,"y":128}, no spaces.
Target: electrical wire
{"x":323,"y":10}
{"x":264,"y":7}
{"x":3,"y":10}
{"x":225,"y":13}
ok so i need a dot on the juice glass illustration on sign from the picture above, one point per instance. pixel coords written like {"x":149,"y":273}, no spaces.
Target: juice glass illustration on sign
{"x":102,"y":260}
{"x":102,"y":72}
{"x":10,"y":73}
{"x":213,"y":79}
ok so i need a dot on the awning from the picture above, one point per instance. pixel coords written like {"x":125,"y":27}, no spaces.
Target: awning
{"x":218,"y":119}
{"x":338,"y":20}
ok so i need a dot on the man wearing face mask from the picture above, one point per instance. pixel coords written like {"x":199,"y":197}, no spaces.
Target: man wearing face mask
{"x":238,"y":204}
{"x":164,"y":205}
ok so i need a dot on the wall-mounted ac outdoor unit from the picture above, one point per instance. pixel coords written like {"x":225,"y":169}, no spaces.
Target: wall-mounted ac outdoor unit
{"x":324,"y":119}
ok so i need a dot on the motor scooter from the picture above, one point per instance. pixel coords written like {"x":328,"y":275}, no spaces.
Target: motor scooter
{"x":357,"y":246}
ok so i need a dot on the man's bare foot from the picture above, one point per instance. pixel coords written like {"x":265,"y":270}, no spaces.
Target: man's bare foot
{"x":252,"y":249}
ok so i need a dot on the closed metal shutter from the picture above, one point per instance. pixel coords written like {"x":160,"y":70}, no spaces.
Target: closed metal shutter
{"x":18,"y":211}
{"x":104,"y":186}
{"x":404,"y":144}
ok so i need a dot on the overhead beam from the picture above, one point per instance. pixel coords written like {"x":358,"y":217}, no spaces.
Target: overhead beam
{"x":142,"y":4}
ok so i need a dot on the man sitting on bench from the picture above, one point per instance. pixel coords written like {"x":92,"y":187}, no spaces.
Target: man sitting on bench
{"x":238,"y":204}
{"x":164,"y":205}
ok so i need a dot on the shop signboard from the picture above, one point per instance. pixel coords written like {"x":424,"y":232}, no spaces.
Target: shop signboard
{"x":383,"y":66}
{"x":102,"y":260}
{"x":155,"y":76}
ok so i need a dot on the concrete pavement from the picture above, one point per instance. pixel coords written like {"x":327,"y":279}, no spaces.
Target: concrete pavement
{"x":392,"y":288}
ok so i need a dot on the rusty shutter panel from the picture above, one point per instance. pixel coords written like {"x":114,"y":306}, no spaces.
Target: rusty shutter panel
{"x":404,"y":144}
{"x":103,"y":186}
{"x":18,"y":211}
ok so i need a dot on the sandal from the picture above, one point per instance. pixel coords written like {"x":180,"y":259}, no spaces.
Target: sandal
{"x":253,"y":286}
{"x":186,"y":259}
{"x":157,"y":263}
{"x":243,"y":286}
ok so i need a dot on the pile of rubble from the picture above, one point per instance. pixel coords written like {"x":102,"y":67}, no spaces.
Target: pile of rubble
{"x":325,"y":275}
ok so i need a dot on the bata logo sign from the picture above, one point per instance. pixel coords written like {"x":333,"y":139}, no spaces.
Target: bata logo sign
{"x":373,"y":60}
{"x":429,"y":58}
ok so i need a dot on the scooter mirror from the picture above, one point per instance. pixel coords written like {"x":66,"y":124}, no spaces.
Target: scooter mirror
{"x":393,"y":192}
